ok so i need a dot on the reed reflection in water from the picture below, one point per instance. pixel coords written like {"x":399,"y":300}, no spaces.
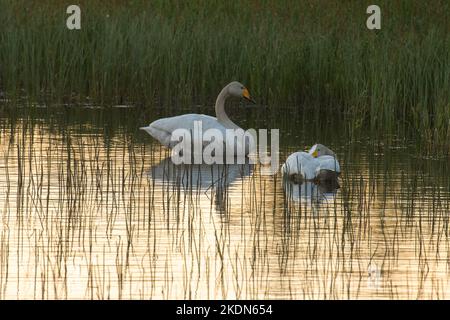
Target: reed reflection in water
{"x":89,"y":217}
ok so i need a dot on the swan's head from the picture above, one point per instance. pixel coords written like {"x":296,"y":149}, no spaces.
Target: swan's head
{"x":238,"y":90}
{"x":318,"y":150}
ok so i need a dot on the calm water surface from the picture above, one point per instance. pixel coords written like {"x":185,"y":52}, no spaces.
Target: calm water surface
{"x":91,"y":208}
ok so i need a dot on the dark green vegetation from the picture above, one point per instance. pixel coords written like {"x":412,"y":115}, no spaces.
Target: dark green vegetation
{"x":317,"y":56}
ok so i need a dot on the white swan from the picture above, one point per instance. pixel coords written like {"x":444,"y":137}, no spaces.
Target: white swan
{"x":162,"y":129}
{"x":318,"y":164}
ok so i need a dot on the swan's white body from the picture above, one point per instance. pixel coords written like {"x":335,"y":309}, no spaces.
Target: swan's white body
{"x":301,"y":163}
{"x":163,"y":129}
{"x":309,"y":166}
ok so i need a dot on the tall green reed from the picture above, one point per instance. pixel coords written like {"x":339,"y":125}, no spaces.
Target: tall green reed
{"x":319,"y":57}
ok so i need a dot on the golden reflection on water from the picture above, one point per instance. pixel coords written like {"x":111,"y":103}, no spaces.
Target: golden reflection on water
{"x":85,"y":218}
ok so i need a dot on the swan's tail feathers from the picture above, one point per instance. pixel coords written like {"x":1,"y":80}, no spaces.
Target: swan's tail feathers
{"x":162,"y":136}
{"x":148,"y":129}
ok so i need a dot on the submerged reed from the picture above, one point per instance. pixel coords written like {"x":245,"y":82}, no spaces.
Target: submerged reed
{"x":88,"y":210}
{"x":90,"y":214}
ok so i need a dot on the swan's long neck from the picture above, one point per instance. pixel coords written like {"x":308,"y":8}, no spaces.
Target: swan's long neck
{"x":220,"y":109}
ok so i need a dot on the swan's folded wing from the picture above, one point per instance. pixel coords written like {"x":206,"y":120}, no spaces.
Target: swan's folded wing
{"x":328,"y":163}
{"x":162,"y":129}
{"x":301,"y":163}
{"x":186,"y":121}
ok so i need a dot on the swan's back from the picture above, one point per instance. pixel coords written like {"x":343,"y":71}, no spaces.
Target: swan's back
{"x":300,"y":163}
{"x":162,"y":129}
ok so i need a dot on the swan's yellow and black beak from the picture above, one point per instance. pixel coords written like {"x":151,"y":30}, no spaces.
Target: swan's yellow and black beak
{"x":247,"y":96}
{"x":315,"y":154}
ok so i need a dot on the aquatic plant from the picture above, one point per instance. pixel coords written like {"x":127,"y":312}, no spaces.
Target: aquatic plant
{"x":319,"y":57}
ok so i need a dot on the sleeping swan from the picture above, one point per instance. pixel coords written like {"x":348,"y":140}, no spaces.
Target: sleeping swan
{"x":319,"y":164}
{"x":162,"y":129}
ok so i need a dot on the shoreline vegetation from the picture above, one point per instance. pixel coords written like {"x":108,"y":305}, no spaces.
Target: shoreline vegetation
{"x":317,"y":56}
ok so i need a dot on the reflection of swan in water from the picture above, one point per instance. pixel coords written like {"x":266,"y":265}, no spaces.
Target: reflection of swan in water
{"x":309,"y":191}
{"x":202,"y":178}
